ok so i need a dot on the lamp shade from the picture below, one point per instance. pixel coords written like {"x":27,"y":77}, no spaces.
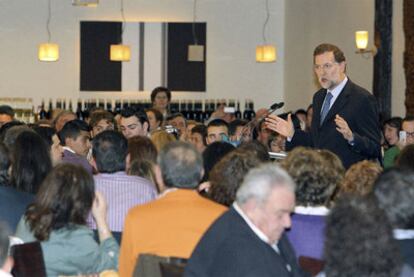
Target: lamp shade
{"x":120,"y":53}
{"x":265,"y":54}
{"x":361,"y":39}
{"x":48,"y":52}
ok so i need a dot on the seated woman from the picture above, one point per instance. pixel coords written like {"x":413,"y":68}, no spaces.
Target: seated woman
{"x":58,"y":220}
{"x":316,"y":183}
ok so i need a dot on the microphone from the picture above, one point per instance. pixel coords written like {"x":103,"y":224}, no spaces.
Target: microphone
{"x":275,"y":107}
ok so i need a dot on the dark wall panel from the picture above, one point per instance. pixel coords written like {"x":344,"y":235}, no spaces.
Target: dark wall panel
{"x":183,"y":75}
{"x":97,"y":72}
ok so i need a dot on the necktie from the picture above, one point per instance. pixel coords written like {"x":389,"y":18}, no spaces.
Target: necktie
{"x":325,"y":106}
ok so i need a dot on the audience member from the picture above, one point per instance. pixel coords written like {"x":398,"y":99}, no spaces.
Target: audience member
{"x":316,"y":183}
{"x":394,"y":190}
{"x":277,"y":143}
{"x":408,"y":127}
{"x":217,"y":129}
{"x":406,"y":157}
{"x":301,"y":115}
{"x":6,"y":127}
{"x":13,"y":202}
{"x":263,"y":134}
{"x":257,"y":149}
{"x":160,"y":138}
{"x":6,"y":114}
{"x":236,"y":129}
{"x":161,"y":98}
{"x":198,"y":137}
{"x":173,"y":224}
{"x":58,"y":220}
{"x":213,"y":153}
{"x":179,"y":122}
{"x":61,"y":119}
{"x":248,"y":239}
{"x":391,"y":129}
{"x":359,"y":241}
{"x":141,"y":148}
{"x":122,"y":191}
{"x":228,"y":174}
{"x":13,"y":132}
{"x":31,"y":162}
{"x":359,"y":178}
{"x":155,"y":119}
{"x":101,"y":121}
{"x":134,"y":122}
{"x":75,"y":138}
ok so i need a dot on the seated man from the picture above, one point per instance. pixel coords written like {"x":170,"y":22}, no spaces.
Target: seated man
{"x":248,"y":239}
{"x":75,"y":138}
{"x":216,"y":130}
{"x":172,"y":224}
{"x":134,"y":122}
{"x":122,"y":191}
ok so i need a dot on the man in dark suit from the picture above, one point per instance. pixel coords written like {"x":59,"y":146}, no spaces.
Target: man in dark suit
{"x":345,"y":119}
{"x":248,"y":239}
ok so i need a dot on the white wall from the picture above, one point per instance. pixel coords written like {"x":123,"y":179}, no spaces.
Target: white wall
{"x":233,"y":31}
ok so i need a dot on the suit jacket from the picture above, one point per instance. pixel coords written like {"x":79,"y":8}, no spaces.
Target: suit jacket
{"x":407,"y":250}
{"x":359,"y":108}
{"x":13,"y":204}
{"x":170,"y":226}
{"x":231,"y":248}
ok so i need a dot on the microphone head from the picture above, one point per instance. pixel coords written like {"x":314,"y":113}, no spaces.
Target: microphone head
{"x":276,"y":106}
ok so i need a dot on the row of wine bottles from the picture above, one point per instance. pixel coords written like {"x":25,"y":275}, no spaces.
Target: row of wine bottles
{"x":199,"y":110}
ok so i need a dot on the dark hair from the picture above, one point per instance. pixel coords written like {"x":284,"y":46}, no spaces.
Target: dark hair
{"x":405,"y":158}
{"x":217,"y":123}
{"x":12,"y":133}
{"x":212,"y":154}
{"x":174,"y":116}
{"x":99,"y":115}
{"x":141,"y":148}
{"x":31,"y":162}
{"x":234,"y":124}
{"x":6,"y":126}
{"x":6,"y":109}
{"x":228,"y":174}
{"x":395,"y":122}
{"x":315,"y":180}
{"x":4,"y":242}
{"x":64,"y":200}
{"x":408,"y":118}
{"x":109,"y":149}
{"x":4,"y":165}
{"x":394,"y":190}
{"x":202,"y":130}
{"x":301,"y":111}
{"x":181,"y":165}
{"x":359,"y":240}
{"x":255,"y":148}
{"x":326,"y":47}
{"x":157,"y":90}
{"x":138,"y":113}
{"x":72,"y":129}
{"x":45,"y":132}
{"x":158,"y":115}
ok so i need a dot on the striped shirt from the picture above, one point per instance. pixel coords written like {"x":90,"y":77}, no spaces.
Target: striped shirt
{"x":122,"y":192}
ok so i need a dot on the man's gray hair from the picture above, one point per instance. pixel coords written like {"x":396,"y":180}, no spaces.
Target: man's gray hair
{"x":260,"y":181}
{"x":4,"y":242}
{"x":181,"y":165}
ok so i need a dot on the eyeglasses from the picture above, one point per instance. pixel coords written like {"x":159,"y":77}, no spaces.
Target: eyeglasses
{"x":410,"y":134}
{"x":326,"y":66}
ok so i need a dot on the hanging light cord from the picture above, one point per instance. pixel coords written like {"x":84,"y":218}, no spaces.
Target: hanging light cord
{"x":194,"y":20}
{"x":266,"y":21}
{"x":123,"y":17}
{"x":49,"y":15}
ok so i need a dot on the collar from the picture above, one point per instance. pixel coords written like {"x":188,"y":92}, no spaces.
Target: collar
{"x":337,"y":90}
{"x":68,"y":149}
{"x":256,"y":230}
{"x":401,"y":234}
{"x":320,"y":210}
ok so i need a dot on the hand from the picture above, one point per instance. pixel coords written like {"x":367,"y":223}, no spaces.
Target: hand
{"x":343,"y":128}
{"x":279,"y":125}
{"x":99,"y":208}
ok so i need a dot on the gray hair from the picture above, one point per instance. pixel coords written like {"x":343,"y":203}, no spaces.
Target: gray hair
{"x":4,"y":242}
{"x":181,"y":165}
{"x":260,"y":181}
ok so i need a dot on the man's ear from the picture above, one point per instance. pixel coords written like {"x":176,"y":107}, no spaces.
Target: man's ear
{"x":145,"y":127}
{"x":8,"y":264}
{"x":158,"y":178}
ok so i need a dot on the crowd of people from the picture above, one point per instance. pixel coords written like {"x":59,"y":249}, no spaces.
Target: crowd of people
{"x":111,"y":192}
